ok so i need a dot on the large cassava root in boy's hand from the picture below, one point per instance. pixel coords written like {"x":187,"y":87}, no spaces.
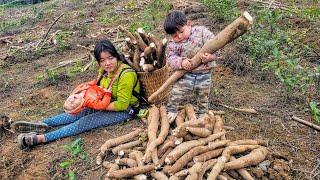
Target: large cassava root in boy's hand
{"x":227,"y":35}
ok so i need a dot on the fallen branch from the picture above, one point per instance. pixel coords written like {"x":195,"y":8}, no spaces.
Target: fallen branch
{"x":84,"y":47}
{"x":90,"y":63}
{"x":45,"y":37}
{"x":4,"y":39}
{"x":245,"y":110}
{"x":65,"y":63}
{"x":306,"y":123}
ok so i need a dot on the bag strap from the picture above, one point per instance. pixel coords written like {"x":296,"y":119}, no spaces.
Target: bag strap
{"x":118,"y":72}
{"x":134,"y":93}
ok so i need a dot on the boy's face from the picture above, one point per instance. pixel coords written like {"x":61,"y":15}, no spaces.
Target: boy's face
{"x":182,"y":34}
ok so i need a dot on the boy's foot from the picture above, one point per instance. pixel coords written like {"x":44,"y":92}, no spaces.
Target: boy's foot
{"x":27,"y":140}
{"x":25,"y":127}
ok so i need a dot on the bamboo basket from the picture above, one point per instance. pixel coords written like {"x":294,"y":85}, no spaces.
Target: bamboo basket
{"x":152,"y":81}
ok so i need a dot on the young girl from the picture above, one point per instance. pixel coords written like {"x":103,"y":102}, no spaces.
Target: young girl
{"x":120,"y":108}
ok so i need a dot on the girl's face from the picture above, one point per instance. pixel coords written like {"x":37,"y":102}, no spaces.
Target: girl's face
{"x":107,"y":62}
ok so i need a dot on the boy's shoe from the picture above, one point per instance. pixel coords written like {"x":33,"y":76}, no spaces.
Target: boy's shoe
{"x":27,"y":140}
{"x":25,"y":127}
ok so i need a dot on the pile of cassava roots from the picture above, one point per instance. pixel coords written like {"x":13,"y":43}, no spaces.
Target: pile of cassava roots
{"x":185,"y":147}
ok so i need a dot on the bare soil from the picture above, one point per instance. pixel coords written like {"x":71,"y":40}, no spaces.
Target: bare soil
{"x":295,"y":148}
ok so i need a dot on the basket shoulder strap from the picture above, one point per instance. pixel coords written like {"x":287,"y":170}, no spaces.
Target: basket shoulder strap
{"x":134,"y":93}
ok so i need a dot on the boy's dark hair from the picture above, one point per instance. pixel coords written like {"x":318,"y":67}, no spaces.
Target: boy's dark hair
{"x":107,"y":46}
{"x":174,"y":21}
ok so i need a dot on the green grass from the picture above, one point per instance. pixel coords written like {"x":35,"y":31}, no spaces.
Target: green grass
{"x":12,"y":24}
{"x":276,"y":43}
{"x":222,"y":9}
{"x":150,"y":18}
{"x":109,"y":18}
{"x":63,"y":39}
{"x":315,"y":112}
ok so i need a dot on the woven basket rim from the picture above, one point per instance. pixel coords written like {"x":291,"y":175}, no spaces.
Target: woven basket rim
{"x":155,"y":71}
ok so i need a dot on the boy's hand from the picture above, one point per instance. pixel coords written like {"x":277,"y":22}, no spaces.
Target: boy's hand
{"x":186,"y":64}
{"x":207,"y":57}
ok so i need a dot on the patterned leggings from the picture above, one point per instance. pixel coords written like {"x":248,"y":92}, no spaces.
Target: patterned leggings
{"x":87,"y":119}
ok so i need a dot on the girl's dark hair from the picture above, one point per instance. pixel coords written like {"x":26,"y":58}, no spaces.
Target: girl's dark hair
{"x":174,"y":21}
{"x":106,"y":46}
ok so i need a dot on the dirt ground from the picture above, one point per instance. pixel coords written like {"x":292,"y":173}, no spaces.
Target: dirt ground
{"x":294,"y":146}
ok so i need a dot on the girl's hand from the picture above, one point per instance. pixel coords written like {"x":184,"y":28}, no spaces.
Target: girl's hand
{"x":109,"y":90}
{"x":186,"y":64}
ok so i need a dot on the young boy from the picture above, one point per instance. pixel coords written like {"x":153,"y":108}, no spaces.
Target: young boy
{"x":186,"y":41}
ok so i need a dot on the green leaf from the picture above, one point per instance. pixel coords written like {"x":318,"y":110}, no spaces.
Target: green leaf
{"x":71,"y":175}
{"x":315,"y":112}
{"x":65,"y":164}
{"x":77,"y":142}
{"x":76,"y":150}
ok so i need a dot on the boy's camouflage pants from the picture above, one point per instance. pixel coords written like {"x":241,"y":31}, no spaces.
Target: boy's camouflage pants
{"x":192,"y":88}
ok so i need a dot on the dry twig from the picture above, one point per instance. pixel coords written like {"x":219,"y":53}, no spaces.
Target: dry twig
{"x":306,"y":123}
{"x":46,"y":35}
{"x":252,"y":111}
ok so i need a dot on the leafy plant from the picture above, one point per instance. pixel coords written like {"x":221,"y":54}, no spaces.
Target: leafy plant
{"x":315,"y":112}
{"x":109,"y":18}
{"x":63,"y":39}
{"x":77,"y":153}
{"x":51,"y":76}
{"x":151,"y":16}
{"x":222,"y":9}
{"x":76,"y":149}
{"x":75,"y":69}
{"x":276,"y":42}
{"x":10,"y":24}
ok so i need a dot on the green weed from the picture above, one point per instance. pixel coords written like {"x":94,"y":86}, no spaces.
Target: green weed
{"x":315,"y":112}
{"x":2,"y":11}
{"x":75,"y":70}
{"x":275,"y":44}
{"x":38,"y":77}
{"x":63,"y":40}
{"x":312,"y":13}
{"x":150,"y":18}
{"x":222,"y":9}
{"x":131,"y":4}
{"x":11,"y":24}
{"x":109,"y":18}
{"x":51,"y":76}
{"x":76,"y":153}
{"x":11,"y":5}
